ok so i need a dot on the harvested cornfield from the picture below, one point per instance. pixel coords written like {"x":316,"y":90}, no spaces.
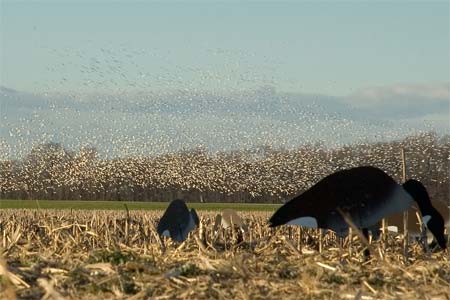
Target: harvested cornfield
{"x":63,"y":254}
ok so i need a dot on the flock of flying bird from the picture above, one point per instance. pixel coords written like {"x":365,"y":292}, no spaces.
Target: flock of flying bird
{"x":364,"y":194}
{"x":51,"y":170}
{"x":361,"y":195}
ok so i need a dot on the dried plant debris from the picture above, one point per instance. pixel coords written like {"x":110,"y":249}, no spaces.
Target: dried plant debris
{"x":102,"y":255}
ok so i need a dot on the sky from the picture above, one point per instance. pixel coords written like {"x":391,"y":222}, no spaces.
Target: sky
{"x":150,"y":77}
{"x":334,"y":48}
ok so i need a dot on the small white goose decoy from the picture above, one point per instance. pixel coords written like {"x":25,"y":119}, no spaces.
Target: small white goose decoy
{"x":228,"y":218}
{"x":395,"y":221}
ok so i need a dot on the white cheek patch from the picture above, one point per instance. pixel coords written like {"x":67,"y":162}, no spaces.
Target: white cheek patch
{"x":166,"y":233}
{"x":426,"y":219}
{"x":304,"y":221}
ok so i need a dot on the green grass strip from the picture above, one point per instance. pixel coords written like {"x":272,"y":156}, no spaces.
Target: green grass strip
{"x":120,"y":205}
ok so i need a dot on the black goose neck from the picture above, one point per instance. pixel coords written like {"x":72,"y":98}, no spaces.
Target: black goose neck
{"x":420,"y":194}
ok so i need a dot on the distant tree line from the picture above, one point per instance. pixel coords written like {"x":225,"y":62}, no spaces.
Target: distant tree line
{"x":263,"y":175}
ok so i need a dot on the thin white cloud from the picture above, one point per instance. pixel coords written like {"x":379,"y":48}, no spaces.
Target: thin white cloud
{"x":404,"y":94}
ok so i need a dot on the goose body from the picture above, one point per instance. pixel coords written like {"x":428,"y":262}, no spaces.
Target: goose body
{"x":365,"y":194}
{"x":177,"y":221}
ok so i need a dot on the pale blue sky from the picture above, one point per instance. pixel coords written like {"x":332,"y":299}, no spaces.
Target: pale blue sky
{"x":330,"y":48}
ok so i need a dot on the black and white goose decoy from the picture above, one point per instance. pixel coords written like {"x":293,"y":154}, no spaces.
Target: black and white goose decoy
{"x":177,"y":221}
{"x":365,"y":194}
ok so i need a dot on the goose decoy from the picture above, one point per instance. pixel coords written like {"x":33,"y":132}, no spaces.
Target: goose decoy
{"x":366,"y":195}
{"x":177,"y":221}
{"x":395,"y":221}
{"x":228,"y":218}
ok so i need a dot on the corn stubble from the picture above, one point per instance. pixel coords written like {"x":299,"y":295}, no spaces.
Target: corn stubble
{"x":59,"y":254}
